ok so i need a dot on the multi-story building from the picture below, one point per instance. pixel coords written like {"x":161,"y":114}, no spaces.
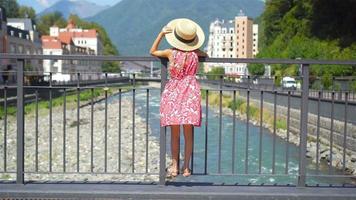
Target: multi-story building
{"x":72,"y":41}
{"x":236,"y":38}
{"x":3,"y":31}
{"x":87,"y":38}
{"x":255,"y":40}
{"x":18,"y":36}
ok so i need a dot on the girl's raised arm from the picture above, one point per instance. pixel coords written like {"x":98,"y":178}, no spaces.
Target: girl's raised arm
{"x":154,"y":49}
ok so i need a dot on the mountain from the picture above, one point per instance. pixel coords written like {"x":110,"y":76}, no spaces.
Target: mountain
{"x":134,"y":24}
{"x":81,"y":8}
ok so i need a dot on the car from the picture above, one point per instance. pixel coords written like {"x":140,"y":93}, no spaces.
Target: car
{"x":288,"y":83}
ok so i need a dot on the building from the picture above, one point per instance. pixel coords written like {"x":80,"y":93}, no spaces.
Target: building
{"x":72,"y":41}
{"x":19,"y":35}
{"x":236,"y":38}
{"x":3,"y":30}
{"x":87,"y":38}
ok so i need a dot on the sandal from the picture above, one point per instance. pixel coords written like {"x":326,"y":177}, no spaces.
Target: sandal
{"x":187,"y":172}
{"x":172,"y":172}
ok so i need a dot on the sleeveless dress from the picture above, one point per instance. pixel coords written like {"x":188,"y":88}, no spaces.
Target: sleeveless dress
{"x":181,"y":97}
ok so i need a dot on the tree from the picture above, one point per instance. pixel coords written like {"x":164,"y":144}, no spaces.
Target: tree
{"x":109,"y":47}
{"x":11,"y":7}
{"x":256,"y":69}
{"x":48,"y":20}
{"x":216,"y":73}
{"x":309,"y":29}
{"x":27,"y":12}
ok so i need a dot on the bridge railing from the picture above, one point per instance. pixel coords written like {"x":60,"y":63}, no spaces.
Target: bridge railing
{"x":225,"y":147}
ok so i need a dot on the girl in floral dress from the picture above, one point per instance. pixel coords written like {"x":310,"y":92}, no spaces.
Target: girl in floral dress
{"x":181,"y":98}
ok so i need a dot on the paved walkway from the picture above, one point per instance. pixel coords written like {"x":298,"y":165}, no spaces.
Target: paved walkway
{"x":177,"y":191}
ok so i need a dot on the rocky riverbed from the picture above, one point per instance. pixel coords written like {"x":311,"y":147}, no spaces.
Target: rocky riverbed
{"x":324,"y":149}
{"x":87,"y":171}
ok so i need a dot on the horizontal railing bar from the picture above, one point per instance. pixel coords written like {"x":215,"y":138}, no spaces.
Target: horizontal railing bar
{"x":147,"y":58}
{"x":87,"y":87}
{"x":332,"y":176}
{"x":91,"y":173}
{"x":236,"y":174}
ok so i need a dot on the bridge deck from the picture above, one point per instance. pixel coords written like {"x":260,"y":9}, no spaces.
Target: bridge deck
{"x":176,"y":191}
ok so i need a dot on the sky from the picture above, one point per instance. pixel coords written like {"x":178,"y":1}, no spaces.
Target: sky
{"x":40,"y":5}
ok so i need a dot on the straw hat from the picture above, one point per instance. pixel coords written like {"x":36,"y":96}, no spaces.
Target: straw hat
{"x":186,"y":35}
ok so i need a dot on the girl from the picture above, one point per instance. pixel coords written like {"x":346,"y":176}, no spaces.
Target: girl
{"x":181,"y":98}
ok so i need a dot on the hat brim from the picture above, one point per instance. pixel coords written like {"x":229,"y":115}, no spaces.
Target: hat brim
{"x":173,"y":41}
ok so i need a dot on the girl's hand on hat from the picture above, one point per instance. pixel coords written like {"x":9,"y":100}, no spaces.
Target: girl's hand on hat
{"x":166,"y":30}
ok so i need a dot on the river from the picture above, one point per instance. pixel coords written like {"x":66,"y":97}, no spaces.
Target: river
{"x":226,"y":151}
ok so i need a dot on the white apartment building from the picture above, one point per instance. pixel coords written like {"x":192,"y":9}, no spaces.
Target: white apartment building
{"x":255,"y":40}
{"x":236,"y":38}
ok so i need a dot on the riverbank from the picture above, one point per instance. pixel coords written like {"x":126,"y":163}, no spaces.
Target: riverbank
{"x":88,"y":171}
{"x":281,"y":129}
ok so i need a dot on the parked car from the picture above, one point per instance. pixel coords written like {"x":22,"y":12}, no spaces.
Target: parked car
{"x":289,"y":83}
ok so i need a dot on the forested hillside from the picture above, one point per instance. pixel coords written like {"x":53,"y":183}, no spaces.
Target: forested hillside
{"x":309,"y":29}
{"x":133,"y":24}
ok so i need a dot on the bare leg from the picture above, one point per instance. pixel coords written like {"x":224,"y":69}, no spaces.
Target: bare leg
{"x":175,"y":146}
{"x":188,"y":146}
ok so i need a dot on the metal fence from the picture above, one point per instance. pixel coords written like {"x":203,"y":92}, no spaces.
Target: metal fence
{"x":253,"y":97}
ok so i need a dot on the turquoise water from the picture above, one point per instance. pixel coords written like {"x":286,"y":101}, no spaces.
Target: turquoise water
{"x":279,"y":177}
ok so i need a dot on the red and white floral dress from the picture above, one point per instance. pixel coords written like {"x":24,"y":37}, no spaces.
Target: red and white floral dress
{"x":181,"y":98}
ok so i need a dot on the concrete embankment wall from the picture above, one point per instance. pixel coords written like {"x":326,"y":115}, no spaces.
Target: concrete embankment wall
{"x":324,"y":127}
{"x":325,"y":134}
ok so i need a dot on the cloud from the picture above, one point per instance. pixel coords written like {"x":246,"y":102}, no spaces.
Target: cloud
{"x":43,"y":3}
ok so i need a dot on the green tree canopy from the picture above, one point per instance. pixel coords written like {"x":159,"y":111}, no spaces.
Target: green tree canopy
{"x":109,"y":47}
{"x":11,"y":7}
{"x":215,"y":73}
{"x":27,"y":12}
{"x":256,"y":69}
{"x":309,"y":29}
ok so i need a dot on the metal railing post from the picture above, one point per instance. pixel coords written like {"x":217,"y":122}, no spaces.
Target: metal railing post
{"x":303,"y":126}
{"x":162,"y":140}
{"x":20,"y":123}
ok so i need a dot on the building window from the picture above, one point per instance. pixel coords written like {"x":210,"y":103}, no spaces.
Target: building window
{"x":20,"y":49}
{"x":12,"y":48}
